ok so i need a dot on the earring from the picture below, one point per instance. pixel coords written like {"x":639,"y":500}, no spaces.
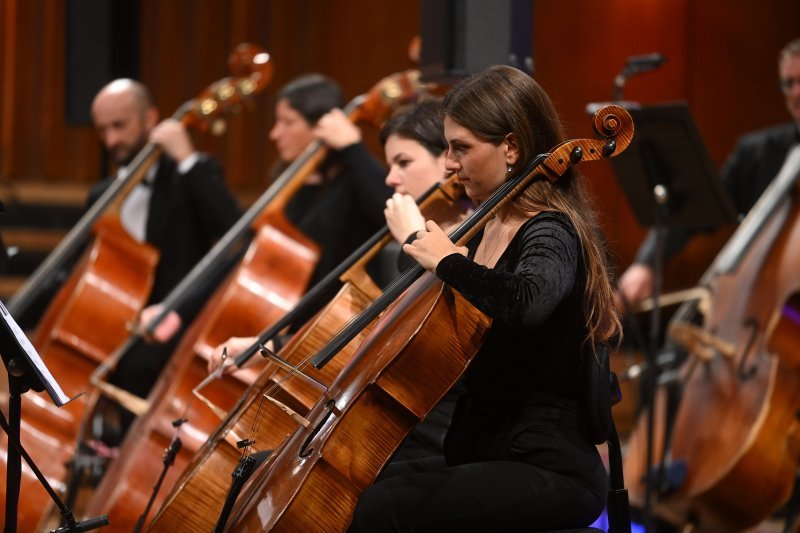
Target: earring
{"x":510,"y":168}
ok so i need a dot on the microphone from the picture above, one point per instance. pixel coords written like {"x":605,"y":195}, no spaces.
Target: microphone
{"x":633,"y":65}
{"x":636,"y":65}
{"x":644,"y":63}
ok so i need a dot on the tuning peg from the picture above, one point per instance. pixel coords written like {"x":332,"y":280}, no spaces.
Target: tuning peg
{"x":218,"y":126}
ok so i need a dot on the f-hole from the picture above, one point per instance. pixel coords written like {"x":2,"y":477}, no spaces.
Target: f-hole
{"x":744,"y":372}
{"x":305,"y":449}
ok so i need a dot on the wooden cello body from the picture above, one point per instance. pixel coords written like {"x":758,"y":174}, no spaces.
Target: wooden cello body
{"x":207,"y":477}
{"x":736,"y":426}
{"x":90,"y":316}
{"x":383,"y":395}
{"x":265,"y":285}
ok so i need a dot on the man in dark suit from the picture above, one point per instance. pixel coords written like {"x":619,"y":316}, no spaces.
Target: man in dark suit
{"x":756,"y":160}
{"x":181,"y":207}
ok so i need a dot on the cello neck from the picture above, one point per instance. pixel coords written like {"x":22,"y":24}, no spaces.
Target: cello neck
{"x":728,"y":260}
{"x":353,"y":268}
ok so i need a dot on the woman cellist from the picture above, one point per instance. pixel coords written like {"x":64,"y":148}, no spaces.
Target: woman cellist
{"x":517,"y":455}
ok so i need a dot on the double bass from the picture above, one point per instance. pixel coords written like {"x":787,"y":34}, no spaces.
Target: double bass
{"x":89,"y":316}
{"x":735,"y":429}
{"x":411,"y":357}
{"x":266,"y":284}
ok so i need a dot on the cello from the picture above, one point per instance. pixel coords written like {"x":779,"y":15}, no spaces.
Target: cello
{"x":264,"y":286}
{"x":89,"y":316}
{"x":419,"y":348}
{"x":218,"y":459}
{"x":735,"y":428}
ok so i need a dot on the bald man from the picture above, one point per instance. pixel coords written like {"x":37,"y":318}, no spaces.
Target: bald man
{"x":181,"y":208}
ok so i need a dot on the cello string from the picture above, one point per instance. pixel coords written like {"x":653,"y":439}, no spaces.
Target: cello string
{"x":390,"y":91}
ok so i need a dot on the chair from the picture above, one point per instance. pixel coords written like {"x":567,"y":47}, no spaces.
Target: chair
{"x":602,"y":392}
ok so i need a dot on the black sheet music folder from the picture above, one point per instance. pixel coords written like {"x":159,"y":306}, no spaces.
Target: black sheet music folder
{"x":667,"y":149}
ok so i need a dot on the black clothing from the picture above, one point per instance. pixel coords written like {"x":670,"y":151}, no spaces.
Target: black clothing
{"x":517,"y":454}
{"x":751,"y":167}
{"x":341,"y":212}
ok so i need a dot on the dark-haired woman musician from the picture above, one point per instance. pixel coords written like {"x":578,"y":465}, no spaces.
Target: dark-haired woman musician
{"x":517,"y":455}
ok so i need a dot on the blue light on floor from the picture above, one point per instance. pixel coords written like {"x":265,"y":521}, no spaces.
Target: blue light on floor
{"x":602,"y":523}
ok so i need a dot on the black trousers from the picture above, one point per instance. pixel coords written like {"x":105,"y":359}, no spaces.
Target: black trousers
{"x":560,"y":483}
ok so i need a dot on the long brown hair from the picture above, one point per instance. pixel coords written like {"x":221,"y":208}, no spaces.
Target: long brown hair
{"x":502,"y":100}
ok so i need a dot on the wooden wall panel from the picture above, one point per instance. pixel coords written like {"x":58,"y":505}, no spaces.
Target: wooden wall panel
{"x":579,"y":47}
{"x":721,"y":59}
{"x":22,"y":42}
{"x":37,"y":144}
{"x":184,"y":49}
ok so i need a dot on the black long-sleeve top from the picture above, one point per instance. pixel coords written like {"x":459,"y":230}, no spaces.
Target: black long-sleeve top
{"x":340,"y":213}
{"x":533,"y":349}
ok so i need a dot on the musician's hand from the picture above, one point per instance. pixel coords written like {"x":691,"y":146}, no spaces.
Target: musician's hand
{"x":172,"y":137}
{"x":635,"y":284}
{"x":166,"y":329}
{"x":336,"y":130}
{"x":403,"y":216}
{"x":233,"y":348}
{"x":431,"y":246}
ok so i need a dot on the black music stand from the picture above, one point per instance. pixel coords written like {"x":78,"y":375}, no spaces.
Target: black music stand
{"x":670,"y":183}
{"x":667,"y":151}
{"x":27,"y":371}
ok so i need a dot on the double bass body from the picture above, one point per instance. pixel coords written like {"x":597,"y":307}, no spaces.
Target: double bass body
{"x":736,"y":428}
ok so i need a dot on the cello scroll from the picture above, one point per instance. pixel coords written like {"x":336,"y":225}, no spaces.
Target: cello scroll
{"x":612,"y":122}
